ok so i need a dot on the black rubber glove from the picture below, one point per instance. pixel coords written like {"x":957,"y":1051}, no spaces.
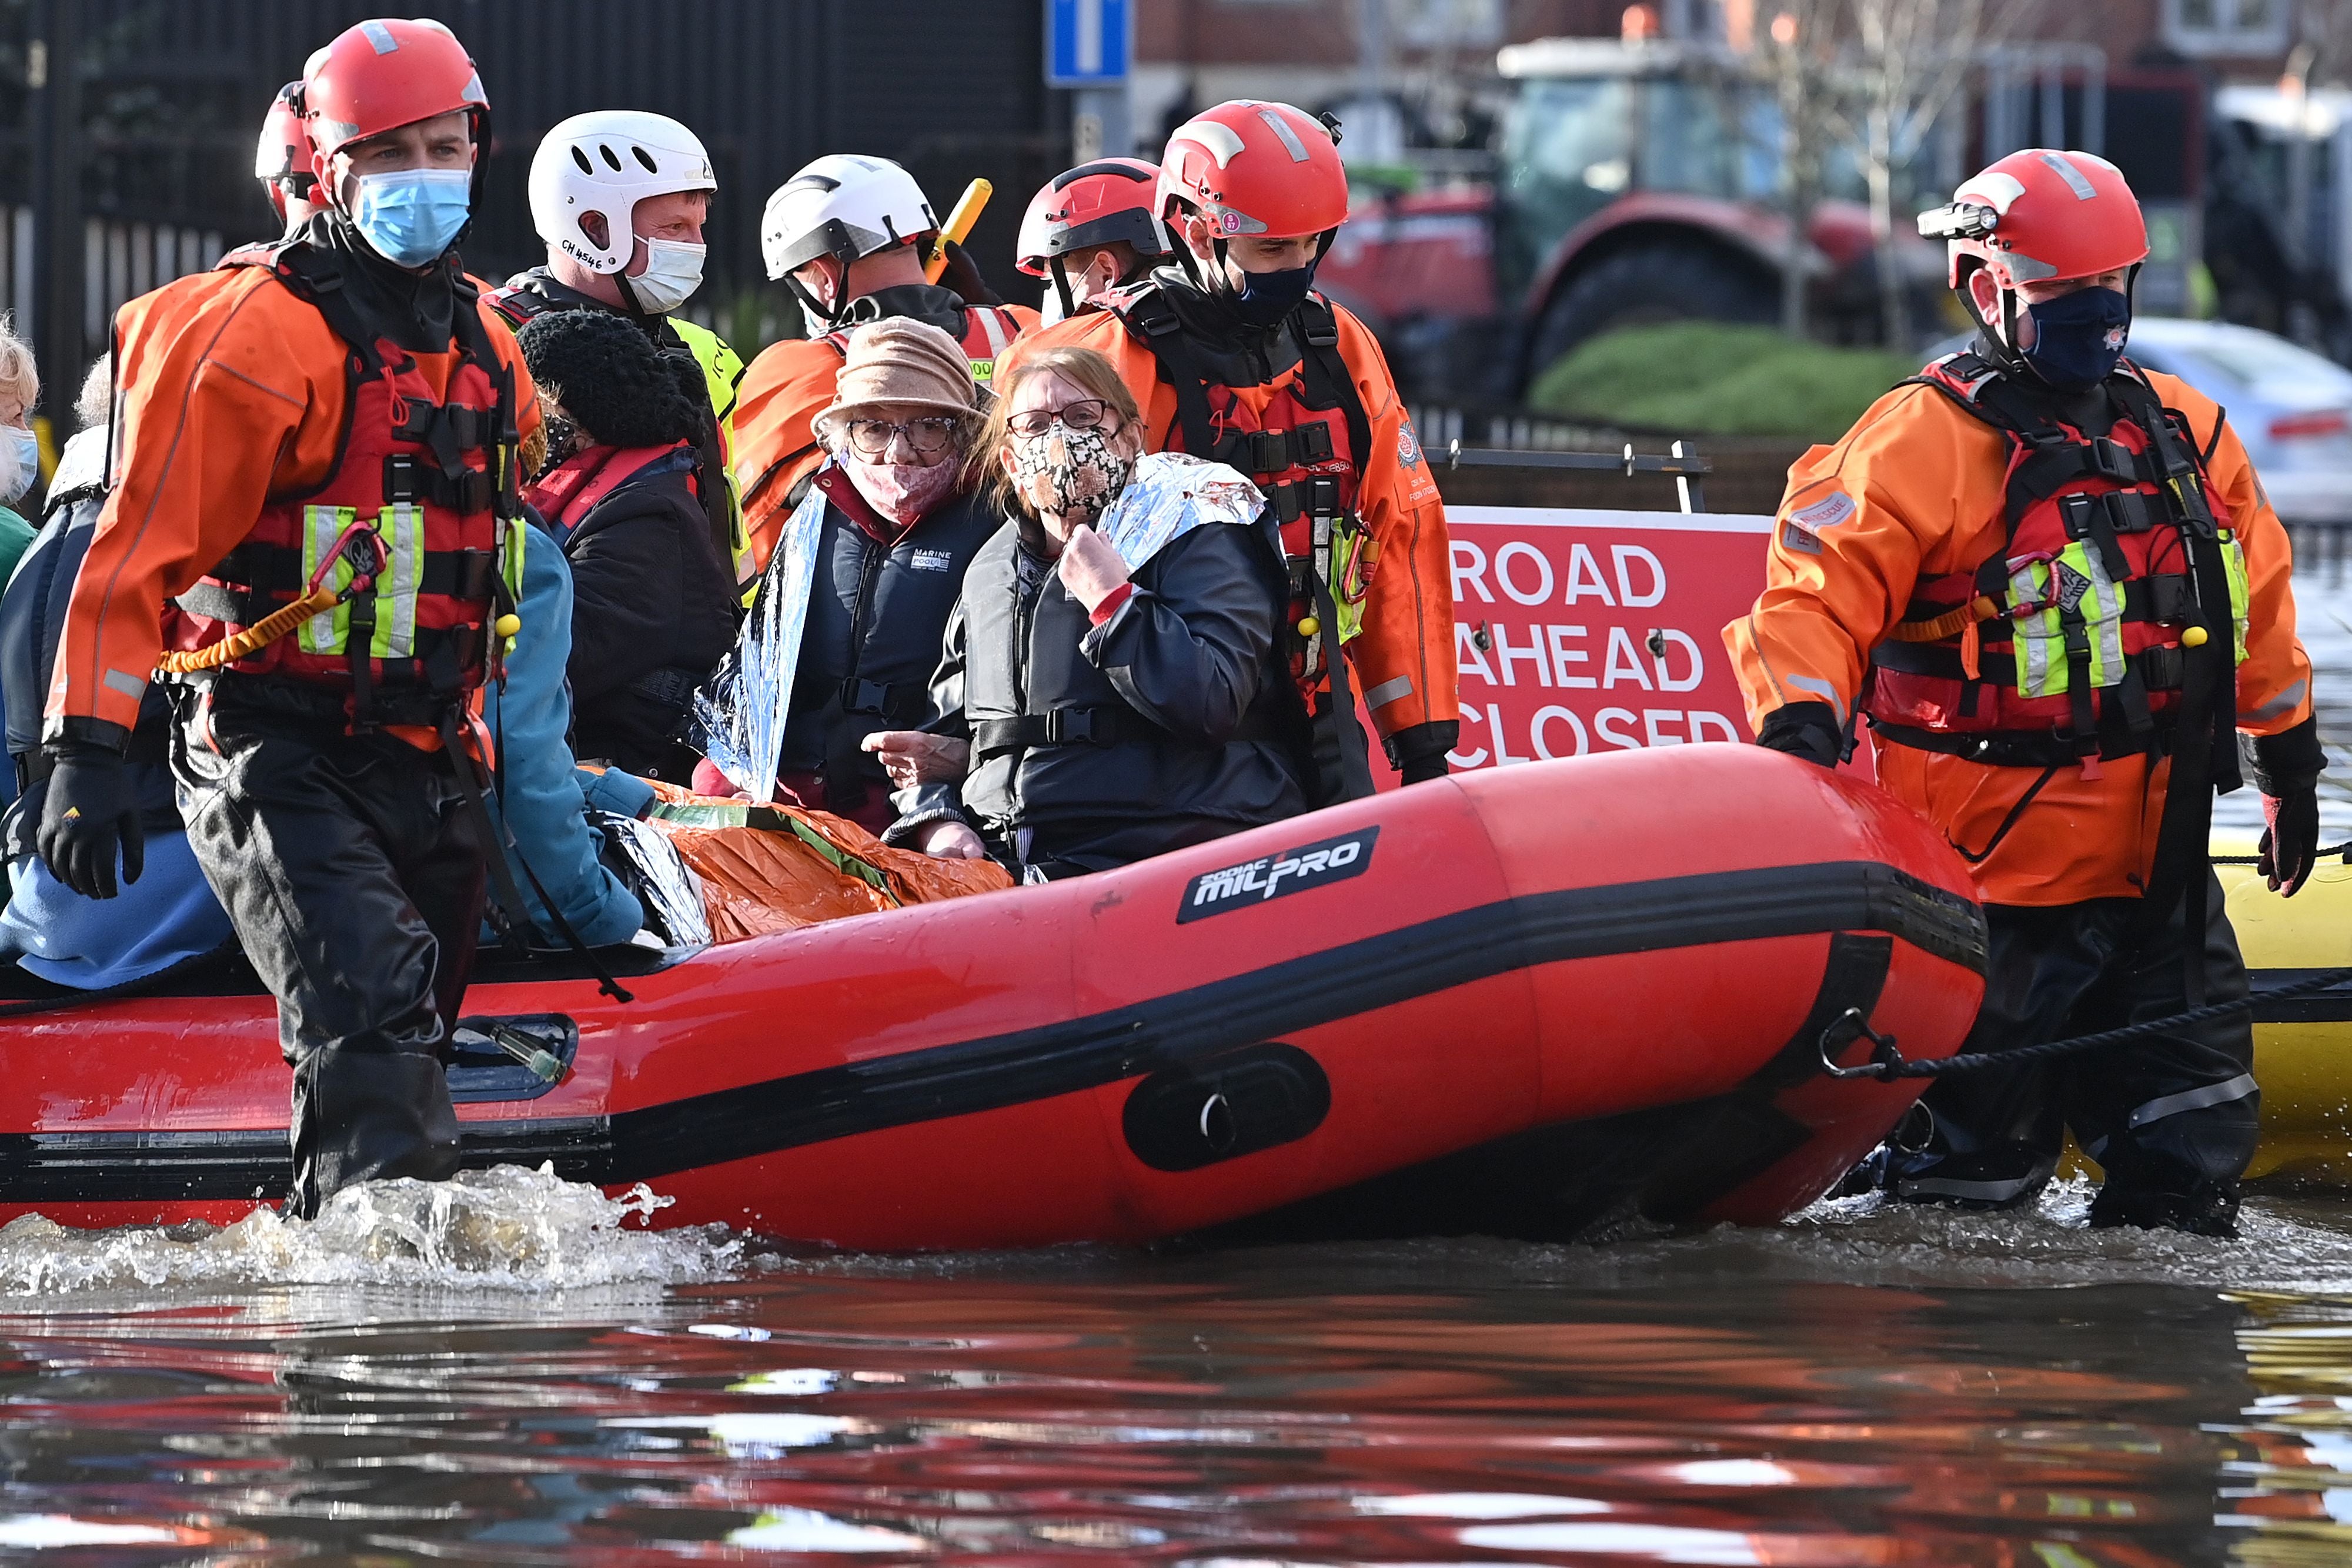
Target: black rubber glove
{"x":1809,"y":730}
{"x":1419,"y":754}
{"x":962,"y":275}
{"x":2286,"y":770}
{"x":89,"y":813}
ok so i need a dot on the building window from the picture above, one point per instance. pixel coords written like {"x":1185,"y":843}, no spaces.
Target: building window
{"x":2226,"y":27}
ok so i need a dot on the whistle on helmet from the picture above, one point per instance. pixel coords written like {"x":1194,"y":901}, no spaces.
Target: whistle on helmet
{"x":1960,"y":220}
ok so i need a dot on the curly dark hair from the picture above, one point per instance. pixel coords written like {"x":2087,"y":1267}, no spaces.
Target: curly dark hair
{"x":617,"y":387}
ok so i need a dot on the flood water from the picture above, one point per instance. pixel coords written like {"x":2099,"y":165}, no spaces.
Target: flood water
{"x":512,"y":1370}
{"x":503,"y":1372}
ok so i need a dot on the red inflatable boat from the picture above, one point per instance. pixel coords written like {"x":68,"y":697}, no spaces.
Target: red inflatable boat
{"x":1526,"y":1001}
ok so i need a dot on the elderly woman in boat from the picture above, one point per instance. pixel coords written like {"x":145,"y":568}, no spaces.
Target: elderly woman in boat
{"x":844,"y":633}
{"x":1115,"y":683}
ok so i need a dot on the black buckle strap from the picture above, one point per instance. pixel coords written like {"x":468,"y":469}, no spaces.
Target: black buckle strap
{"x":2158,"y":669}
{"x":1063,"y":727}
{"x":1261,"y":453}
{"x":466,"y":429}
{"x":2104,"y":458}
{"x":2031,"y":749}
{"x":256,"y":578}
{"x":892,"y":700}
{"x":408,"y":478}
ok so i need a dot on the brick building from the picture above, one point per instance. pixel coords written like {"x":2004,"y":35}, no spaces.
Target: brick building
{"x":1314,"y":51}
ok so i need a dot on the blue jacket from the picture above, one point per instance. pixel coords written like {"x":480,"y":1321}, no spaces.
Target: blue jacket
{"x":546,"y":796}
{"x":170,"y":913}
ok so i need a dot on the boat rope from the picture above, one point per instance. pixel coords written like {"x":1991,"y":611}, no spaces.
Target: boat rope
{"x":1888,"y":1064}
{"x":2344,"y":849}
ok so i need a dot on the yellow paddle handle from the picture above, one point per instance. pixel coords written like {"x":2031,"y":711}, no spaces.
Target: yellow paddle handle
{"x":958,"y":224}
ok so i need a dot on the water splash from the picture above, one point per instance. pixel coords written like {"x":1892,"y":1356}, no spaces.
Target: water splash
{"x":507,"y":1228}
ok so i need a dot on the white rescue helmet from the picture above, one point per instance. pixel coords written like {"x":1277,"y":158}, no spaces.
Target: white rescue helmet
{"x":607,"y":162}
{"x":844,"y":206}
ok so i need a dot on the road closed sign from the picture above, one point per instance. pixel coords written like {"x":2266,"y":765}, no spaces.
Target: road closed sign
{"x":1588,"y":631}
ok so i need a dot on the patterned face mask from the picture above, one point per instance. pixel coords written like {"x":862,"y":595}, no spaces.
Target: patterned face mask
{"x":1069,"y":476}
{"x":904,"y":492}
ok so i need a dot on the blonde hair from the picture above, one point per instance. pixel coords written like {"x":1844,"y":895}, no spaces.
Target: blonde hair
{"x":1082,"y":368}
{"x":19,"y":376}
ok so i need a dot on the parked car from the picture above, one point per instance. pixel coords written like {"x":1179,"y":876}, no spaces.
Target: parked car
{"x":2291,"y":407}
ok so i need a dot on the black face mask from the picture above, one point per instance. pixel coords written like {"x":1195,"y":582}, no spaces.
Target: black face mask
{"x":1265,"y":297}
{"x":2078,"y":338}
{"x":563,"y":439}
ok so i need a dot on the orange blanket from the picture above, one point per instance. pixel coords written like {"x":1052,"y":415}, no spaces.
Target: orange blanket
{"x":766,"y":869}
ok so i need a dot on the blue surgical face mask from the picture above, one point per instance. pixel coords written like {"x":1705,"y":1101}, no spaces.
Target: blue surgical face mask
{"x":20,"y":461}
{"x":411,"y":216}
{"x":1265,"y":297}
{"x":2079,"y":336}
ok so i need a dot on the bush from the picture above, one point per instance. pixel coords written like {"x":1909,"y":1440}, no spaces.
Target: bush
{"x":1713,"y":378}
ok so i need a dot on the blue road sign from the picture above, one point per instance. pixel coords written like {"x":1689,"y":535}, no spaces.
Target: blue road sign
{"x":1087,"y":42}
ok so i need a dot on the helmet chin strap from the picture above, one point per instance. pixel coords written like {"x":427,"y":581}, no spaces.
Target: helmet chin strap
{"x":1061,"y":285}
{"x":2003,"y":344}
{"x":830,"y":313}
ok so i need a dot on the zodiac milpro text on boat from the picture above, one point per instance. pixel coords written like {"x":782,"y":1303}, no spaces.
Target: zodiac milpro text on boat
{"x":1233,"y":358}
{"x":330,"y":645}
{"x":2052,"y":583}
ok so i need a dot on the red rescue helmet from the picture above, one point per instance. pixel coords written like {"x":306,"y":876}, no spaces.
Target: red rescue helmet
{"x":381,"y":74}
{"x":282,"y":162}
{"x":1101,"y":202}
{"x":1253,"y":168}
{"x":2040,"y":216}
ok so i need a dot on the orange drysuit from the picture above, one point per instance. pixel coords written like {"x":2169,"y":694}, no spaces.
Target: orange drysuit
{"x":1403,"y":657}
{"x":1925,"y":480}
{"x":791,"y":383}
{"x":230,"y":391}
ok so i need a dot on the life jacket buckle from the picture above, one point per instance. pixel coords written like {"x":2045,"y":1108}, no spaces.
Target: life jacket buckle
{"x":1065,"y":726}
{"x":2107,"y":459}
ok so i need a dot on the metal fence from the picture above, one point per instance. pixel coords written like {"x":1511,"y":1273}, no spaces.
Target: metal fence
{"x":121,"y":261}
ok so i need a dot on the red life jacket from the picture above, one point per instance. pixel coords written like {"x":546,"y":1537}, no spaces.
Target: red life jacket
{"x":1300,"y":436}
{"x":568,"y":492}
{"x":988,"y":332}
{"x":421,"y":505}
{"x":2070,"y":642}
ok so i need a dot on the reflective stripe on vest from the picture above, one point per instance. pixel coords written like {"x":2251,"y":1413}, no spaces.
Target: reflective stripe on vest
{"x":998,"y":339}
{"x":2075,"y":584}
{"x":2095,"y":580}
{"x":407,"y":474}
{"x":2233,"y":564}
{"x":401,"y":529}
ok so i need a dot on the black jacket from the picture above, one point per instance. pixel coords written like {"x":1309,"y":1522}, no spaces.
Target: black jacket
{"x":653,"y":613}
{"x":536,"y":291}
{"x":1193,"y":728}
{"x":878,"y":616}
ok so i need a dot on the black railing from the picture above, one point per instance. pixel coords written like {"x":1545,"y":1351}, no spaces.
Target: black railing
{"x":1681,"y":464}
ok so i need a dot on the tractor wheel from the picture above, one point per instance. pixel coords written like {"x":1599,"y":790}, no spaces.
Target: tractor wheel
{"x":1651,"y":283}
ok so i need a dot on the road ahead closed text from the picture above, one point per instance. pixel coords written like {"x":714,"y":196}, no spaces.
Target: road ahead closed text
{"x":1585,"y":632}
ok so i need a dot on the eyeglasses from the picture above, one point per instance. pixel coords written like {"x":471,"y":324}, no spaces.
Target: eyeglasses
{"x":1087,"y":413}
{"x":927,"y":436}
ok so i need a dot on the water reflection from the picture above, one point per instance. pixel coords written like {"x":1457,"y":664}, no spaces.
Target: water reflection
{"x":1260,"y":1408}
